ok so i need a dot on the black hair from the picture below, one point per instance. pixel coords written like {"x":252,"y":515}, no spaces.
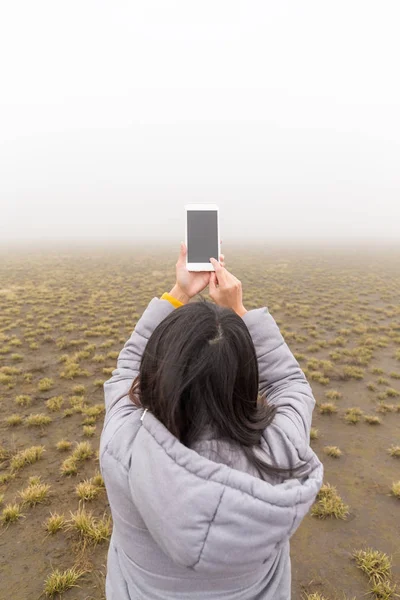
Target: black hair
{"x":199,"y":370}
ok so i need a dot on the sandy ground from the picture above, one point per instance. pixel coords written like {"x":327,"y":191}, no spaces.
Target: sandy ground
{"x":46,"y":296}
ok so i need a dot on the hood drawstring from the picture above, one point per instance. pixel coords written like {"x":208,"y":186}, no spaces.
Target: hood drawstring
{"x":145,"y":411}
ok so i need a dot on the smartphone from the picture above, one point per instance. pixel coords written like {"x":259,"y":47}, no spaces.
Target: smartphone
{"x":202,"y":236}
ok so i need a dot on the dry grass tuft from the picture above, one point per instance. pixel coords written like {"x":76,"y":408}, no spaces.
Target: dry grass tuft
{"x":83,"y":451}
{"x":26,"y":457}
{"x":394,"y":451}
{"x":63,"y":445}
{"x":91,"y":529}
{"x":372,"y":420}
{"x":87,"y":490}
{"x":54,"y":404}
{"x":333,"y":395}
{"x":45,"y":384}
{"x":89,"y":430}
{"x":61,"y":581}
{"x":35,"y":493}
{"x":396,"y":489}
{"x":329,"y":504}
{"x":37,"y":420}
{"x":353,"y":415}
{"x":11,"y":513}
{"x":327,"y":408}
{"x":13,"y":420}
{"x":23,"y":400}
{"x":333,"y":451}
{"x":377,"y":565}
{"x":54,"y":523}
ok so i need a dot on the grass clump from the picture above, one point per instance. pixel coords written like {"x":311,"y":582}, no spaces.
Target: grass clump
{"x":13,"y":420}
{"x":375,"y":564}
{"x":333,"y":451}
{"x":384,"y":407}
{"x":23,"y":400}
{"x":26,"y":457}
{"x":3,"y":453}
{"x":87,"y":490}
{"x":55,"y":403}
{"x":79,"y":390}
{"x":392,"y":393}
{"x":69,"y":466}
{"x":83,"y":451}
{"x":98,"y":480}
{"x":353,"y":415}
{"x":11,"y":513}
{"x":313,"y":433}
{"x":333,"y":394}
{"x":72,"y":370}
{"x":372,"y":420}
{"x":327,"y":408}
{"x":61,"y":581}
{"x":377,"y":371}
{"x":94,"y":411}
{"x":394,"y":451}
{"x":329,"y":504}
{"x":35,"y":493}
{"x":5,"y":478}
{"x":98,"y":358}
{"x":63,"y":445}
{"x":91,"y":529}
{"x":89,"y":430}
{"x":54,"y":523}
{"x":384,"y":590}
{"x":38,"y":420}
{"x":45,"y":384}
{"x":352,"y":372}
{"x":396,"y":489}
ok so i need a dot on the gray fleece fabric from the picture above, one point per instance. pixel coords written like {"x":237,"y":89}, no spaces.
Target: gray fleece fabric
{"x":196,"y":524}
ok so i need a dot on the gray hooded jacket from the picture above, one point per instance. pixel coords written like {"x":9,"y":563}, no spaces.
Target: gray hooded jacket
{"x":190,"y":524}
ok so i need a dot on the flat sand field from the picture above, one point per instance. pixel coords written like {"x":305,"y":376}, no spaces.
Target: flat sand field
{"x":64,"y":316}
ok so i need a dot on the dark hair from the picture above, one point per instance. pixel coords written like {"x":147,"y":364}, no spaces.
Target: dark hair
{"x":199,"y":369}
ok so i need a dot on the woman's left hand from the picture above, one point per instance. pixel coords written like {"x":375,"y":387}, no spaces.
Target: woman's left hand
{"x":189,"y":283}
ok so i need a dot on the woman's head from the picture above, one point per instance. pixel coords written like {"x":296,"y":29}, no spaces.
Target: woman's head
{"x":199,"y":370}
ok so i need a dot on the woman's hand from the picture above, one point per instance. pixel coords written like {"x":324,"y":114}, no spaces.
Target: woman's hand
{"x":226,"y":289}
{"x":189,"y":283}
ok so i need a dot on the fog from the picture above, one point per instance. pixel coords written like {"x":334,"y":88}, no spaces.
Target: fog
{"x":114,"y":115}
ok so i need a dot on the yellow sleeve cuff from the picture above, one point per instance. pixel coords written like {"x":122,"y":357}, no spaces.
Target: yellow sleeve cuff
{"x":174,"y":301}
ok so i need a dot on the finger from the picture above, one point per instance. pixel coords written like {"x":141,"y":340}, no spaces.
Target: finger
{"x":182,"y":255}
{"x":222,"y":260}
{"x":219,"y":270}
{"x":215,"y":264}
{"x":212,"y":282}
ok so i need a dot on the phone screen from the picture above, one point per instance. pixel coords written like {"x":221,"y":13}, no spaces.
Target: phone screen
{"x":202,"y":235}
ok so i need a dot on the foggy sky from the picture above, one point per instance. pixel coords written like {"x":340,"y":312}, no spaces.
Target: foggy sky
{"x":113,"y":115}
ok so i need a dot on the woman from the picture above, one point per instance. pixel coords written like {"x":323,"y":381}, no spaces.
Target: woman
{"x":205,"y":449}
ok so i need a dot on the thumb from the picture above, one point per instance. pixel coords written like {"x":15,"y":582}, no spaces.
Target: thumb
{"x":213,"y":282}
{"x":182,"y":255}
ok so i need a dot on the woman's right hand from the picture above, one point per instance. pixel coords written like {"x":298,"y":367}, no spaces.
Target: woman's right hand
{"x":226,"y":289}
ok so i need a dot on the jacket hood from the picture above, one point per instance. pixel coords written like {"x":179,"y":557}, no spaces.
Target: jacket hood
{"x":208,"y":516}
